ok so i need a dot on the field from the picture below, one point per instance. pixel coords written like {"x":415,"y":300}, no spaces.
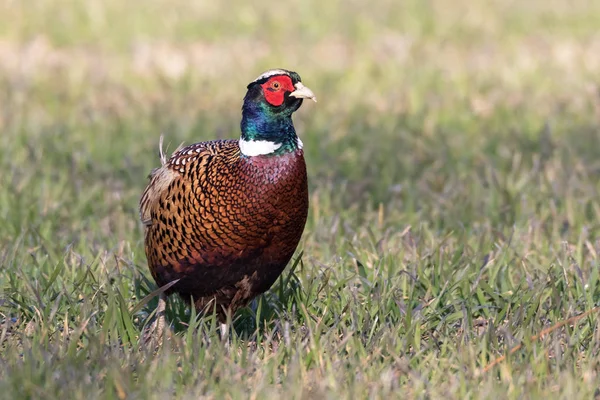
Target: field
{"x":454,"y":167}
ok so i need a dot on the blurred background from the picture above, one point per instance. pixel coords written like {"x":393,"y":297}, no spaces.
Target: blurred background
{"x":415,"y":97}
{"x":406,"y":88}
{"x":464,"y":132}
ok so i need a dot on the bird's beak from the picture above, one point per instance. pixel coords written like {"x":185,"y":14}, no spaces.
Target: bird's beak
{"x":302,"y":92}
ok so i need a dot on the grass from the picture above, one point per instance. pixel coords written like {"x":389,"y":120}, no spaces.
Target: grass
{"x":453,"y":163}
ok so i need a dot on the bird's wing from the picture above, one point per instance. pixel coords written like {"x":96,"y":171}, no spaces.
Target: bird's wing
{"x":177,"y":168}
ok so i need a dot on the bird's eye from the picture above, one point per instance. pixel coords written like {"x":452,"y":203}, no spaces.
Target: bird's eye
{"x":276,"y":85}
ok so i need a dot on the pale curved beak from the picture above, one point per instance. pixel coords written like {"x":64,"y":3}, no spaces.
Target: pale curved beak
{"x":302,"y":92}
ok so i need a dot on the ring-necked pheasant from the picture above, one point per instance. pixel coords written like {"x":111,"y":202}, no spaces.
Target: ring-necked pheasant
{"x":224,"y":217}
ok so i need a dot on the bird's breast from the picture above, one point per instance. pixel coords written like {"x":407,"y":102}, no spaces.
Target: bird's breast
{"x":276,"y":186}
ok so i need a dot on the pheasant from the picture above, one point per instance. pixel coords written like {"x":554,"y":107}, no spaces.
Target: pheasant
{"x":223,"y":218}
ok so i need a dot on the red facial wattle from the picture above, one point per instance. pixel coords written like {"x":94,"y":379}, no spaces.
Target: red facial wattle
{"x":276,"y":87}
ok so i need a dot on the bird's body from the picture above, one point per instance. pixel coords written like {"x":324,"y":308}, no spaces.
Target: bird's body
{"x":225,"y":217}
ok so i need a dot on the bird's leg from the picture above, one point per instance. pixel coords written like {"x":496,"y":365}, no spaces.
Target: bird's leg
{"x":224,"y":331}
{"x":154,"y":334}
{"x":226,"y":324}
{"x":225,"y":334}
{"x":160,"y":316}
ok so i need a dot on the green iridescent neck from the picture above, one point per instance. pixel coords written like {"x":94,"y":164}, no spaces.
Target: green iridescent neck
{"x":261,"y":123}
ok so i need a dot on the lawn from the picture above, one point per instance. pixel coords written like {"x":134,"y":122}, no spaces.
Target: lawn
{"x":454,"y":175}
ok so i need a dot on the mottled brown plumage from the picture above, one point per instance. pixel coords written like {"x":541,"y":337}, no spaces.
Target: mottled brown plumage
{"x":225,"y":224}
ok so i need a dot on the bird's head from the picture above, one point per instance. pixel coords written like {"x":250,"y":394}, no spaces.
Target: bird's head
{"x":268,"y":106}
{"x":278,"y":91}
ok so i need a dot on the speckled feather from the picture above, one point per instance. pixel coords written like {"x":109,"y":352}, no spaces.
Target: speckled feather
{"x":225,"y":224}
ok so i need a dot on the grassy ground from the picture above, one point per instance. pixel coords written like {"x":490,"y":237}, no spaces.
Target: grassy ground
{"x":454,"y":174}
